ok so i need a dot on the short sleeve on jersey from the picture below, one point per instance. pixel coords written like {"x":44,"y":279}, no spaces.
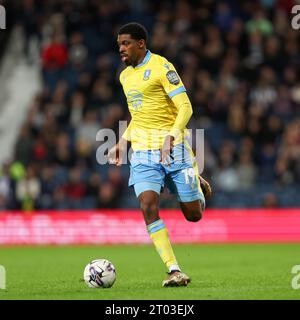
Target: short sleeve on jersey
{"x":171,"y":81}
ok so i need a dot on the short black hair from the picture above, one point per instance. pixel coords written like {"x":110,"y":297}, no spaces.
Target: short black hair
{"x":136,"y":30}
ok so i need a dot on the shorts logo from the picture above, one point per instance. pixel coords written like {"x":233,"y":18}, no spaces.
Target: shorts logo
{"x":173,"y":77}
{"x":147,"y":75}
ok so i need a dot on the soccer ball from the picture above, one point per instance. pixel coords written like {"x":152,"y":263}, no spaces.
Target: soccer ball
{"x":99,"y":273}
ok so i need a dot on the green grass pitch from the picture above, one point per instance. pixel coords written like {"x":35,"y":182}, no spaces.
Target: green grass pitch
{"x":218,"y":271}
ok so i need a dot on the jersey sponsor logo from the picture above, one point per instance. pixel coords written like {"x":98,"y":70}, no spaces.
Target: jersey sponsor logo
{"x":173,"y":77}
{"x":135,"y":99}
{"x":147,"y":74}
{"x":166,"y":66}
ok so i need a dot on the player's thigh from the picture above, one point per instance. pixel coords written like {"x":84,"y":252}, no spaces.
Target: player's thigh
{"x":148,"y":194}
{"x":149,"y":204}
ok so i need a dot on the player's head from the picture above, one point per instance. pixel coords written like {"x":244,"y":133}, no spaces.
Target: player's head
{"x":132,"y":38}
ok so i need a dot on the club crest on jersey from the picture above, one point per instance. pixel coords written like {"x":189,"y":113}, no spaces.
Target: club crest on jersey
{"x":173,"y":77}
{"x":147,"y":74}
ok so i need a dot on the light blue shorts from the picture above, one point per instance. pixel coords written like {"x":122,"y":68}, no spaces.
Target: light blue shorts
{"x":180,"y":177}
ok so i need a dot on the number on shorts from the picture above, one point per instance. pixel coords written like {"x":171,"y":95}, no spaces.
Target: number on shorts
{"x":189,"y":173}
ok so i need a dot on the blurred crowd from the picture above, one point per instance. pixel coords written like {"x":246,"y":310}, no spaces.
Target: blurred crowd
{"x":239,"y":61}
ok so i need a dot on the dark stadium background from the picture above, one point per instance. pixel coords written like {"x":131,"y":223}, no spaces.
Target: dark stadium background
{"x":59,"y":69}
{"x":239,"y":61}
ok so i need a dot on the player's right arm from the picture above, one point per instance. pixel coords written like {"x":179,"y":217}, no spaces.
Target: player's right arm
{"x":117,"y":153}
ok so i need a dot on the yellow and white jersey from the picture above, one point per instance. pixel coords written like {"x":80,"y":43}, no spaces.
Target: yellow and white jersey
{"x":149,"y":88}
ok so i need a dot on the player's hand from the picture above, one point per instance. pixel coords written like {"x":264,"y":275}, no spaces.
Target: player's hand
{"x":166,"y":150}
{"x":113,"y":155}
{"x":116,"y":153}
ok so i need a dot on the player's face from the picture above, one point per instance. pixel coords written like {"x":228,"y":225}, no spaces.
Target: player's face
{"x":129,"y":49}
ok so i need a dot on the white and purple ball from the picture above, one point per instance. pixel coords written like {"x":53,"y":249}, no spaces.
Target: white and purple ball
{"x":99,"y":273}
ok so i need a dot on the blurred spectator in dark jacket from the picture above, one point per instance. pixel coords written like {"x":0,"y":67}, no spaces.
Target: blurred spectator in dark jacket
{"x":107,"y":196}
{"x":270,"y":201}
{"x":75,"y":188}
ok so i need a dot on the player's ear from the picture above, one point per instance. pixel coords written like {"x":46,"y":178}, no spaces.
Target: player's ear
{"x":141,"y":43}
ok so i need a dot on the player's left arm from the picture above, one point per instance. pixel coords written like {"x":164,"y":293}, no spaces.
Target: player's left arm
{"x":185,"y":111}
{"x":176,"y":91}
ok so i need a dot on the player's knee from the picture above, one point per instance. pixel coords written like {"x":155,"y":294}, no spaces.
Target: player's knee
{"x":194,"y":216}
